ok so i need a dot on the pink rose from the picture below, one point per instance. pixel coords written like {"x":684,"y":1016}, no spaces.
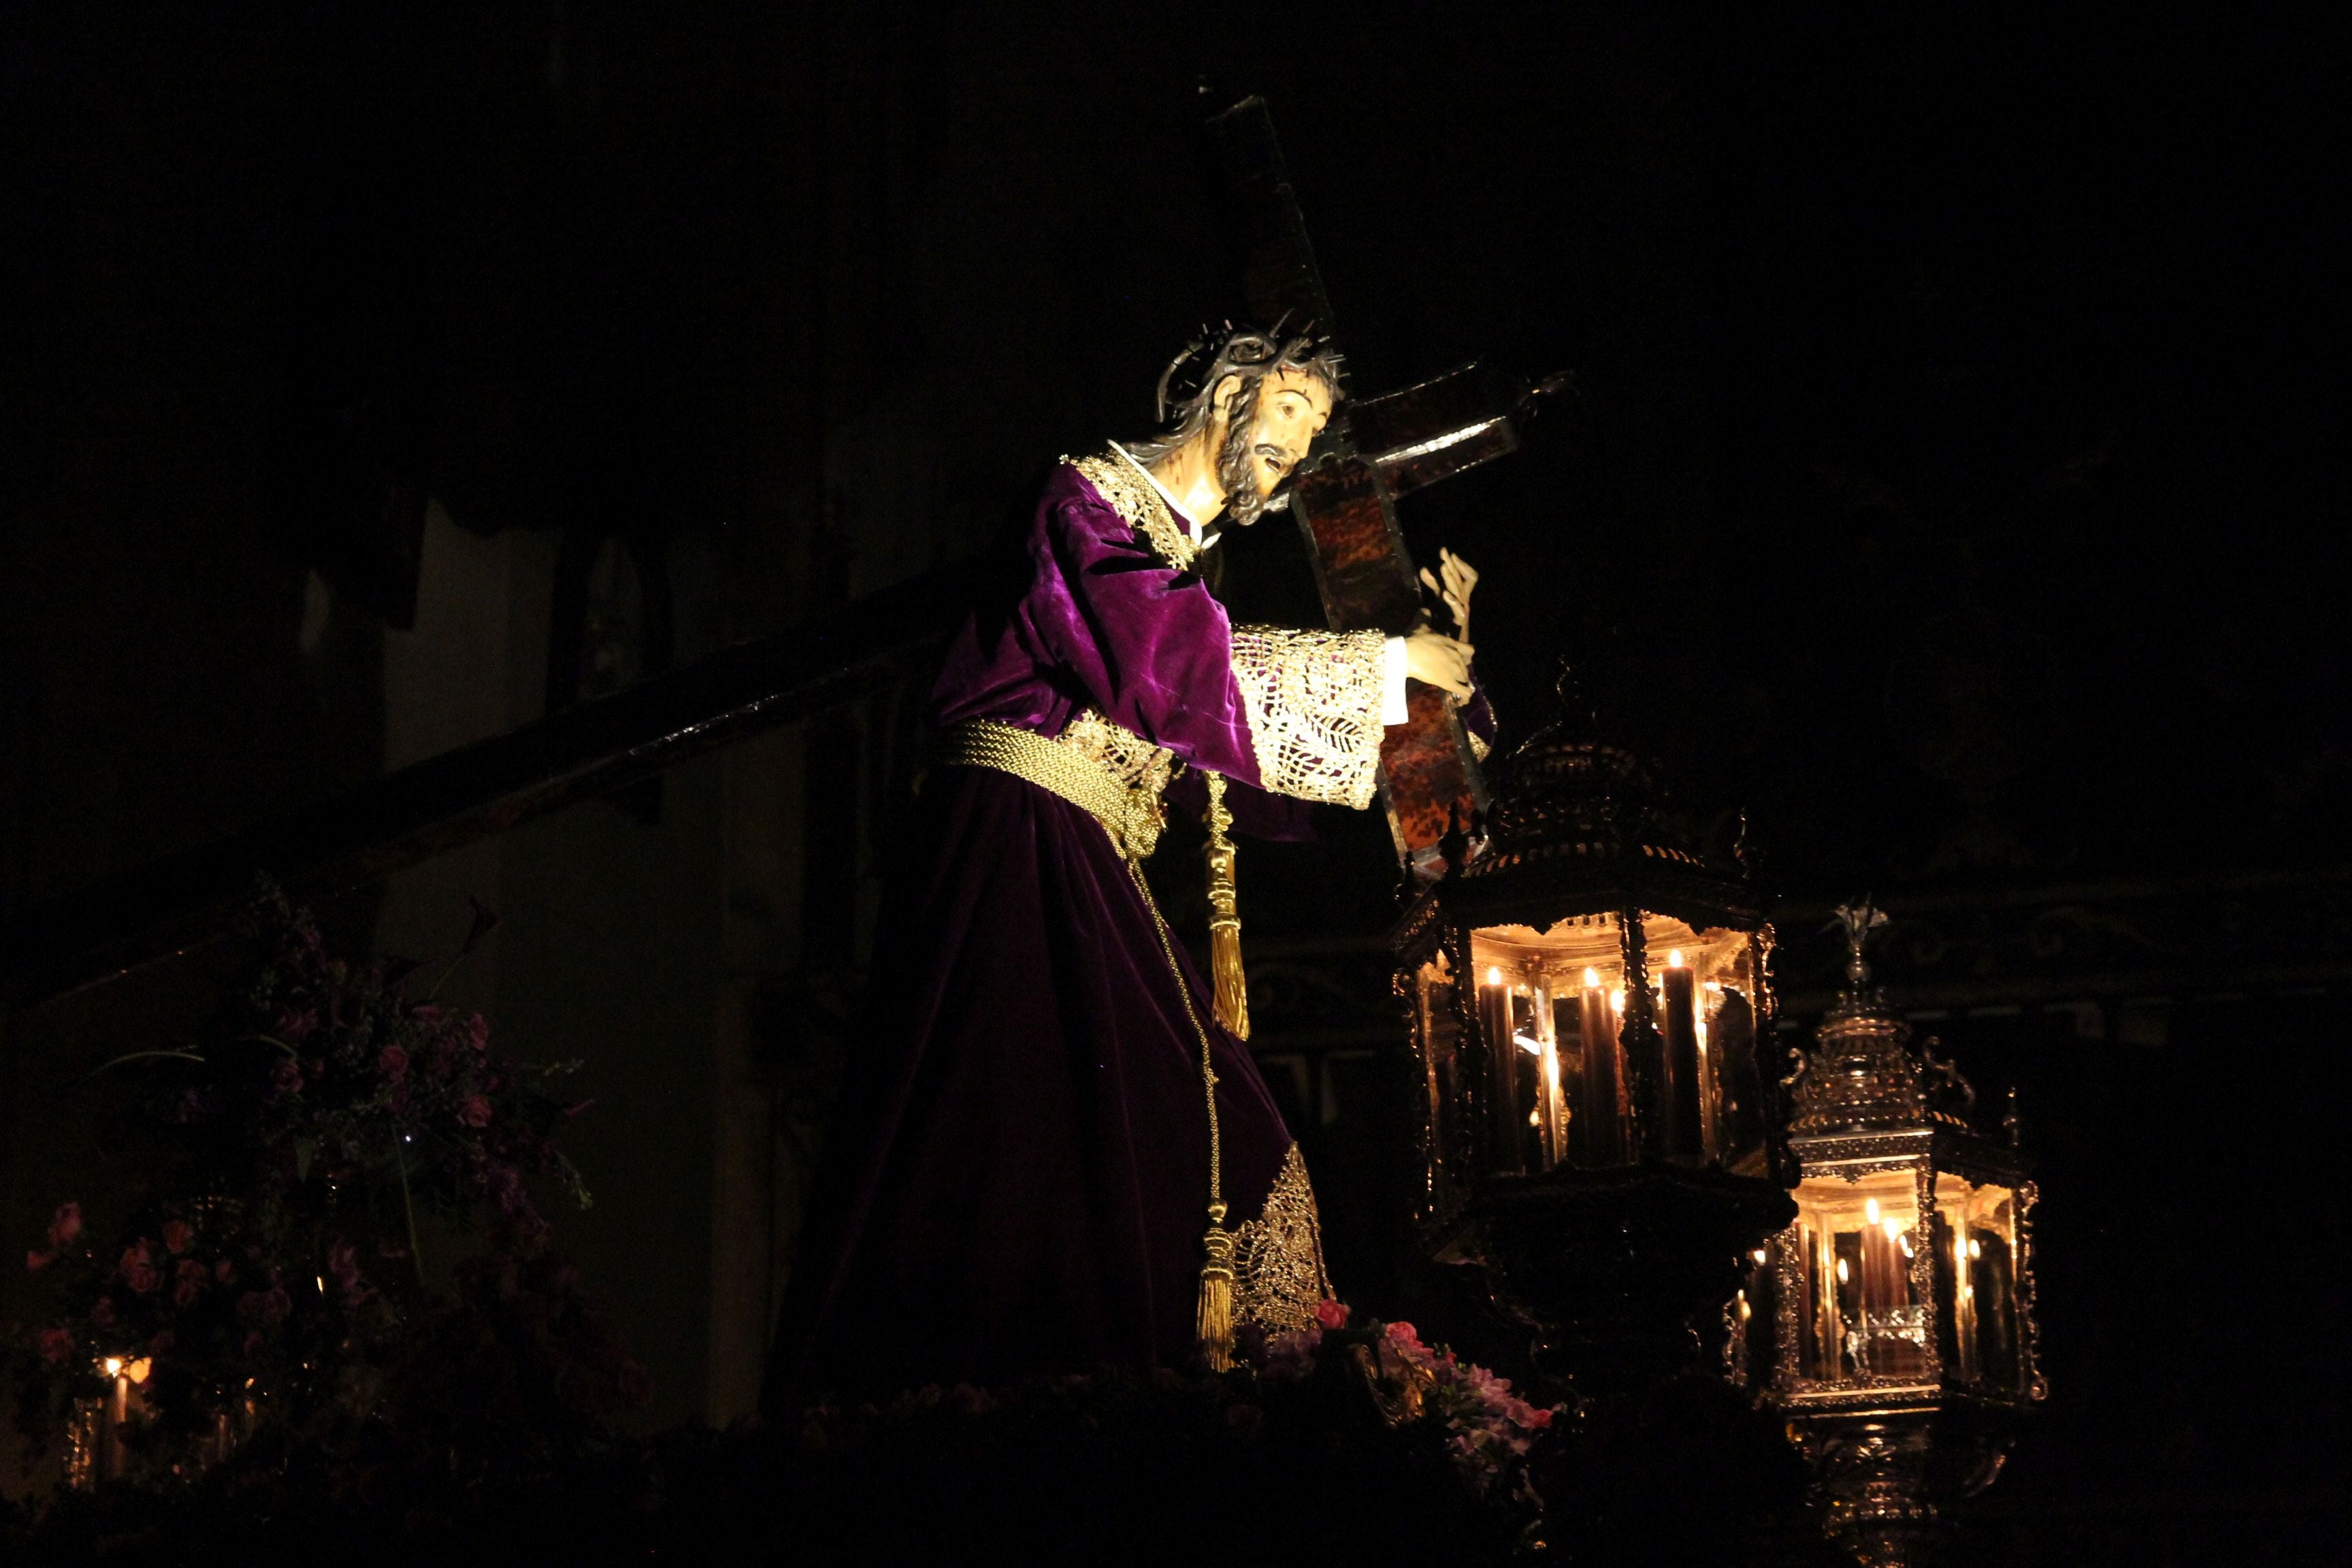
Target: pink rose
{"x":428,"y":1014}
{"x":392,"y":1062}
{"x":292,"y":1025}
{"x":138,"y":1267}
{"x":177,"y":1235}
{"x":55,"y":1345}
{"x":65,"y":1225}
{"x":479,"y":1028}
{"x":1404,"y":1334}
{"x":288,"y":1076}
{"x":222,"y":1269}
{"x":1537,"y":1419}
{"x":36,"y":1261}
{"x":475,"y":1112}
{"x":1331,"y":1314}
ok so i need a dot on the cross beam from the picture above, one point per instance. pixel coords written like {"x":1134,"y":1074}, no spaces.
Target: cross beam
{"x":1379,"y":449}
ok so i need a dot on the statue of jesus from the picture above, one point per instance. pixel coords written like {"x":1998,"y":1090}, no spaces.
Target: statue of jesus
{"x":1051,"y":1155}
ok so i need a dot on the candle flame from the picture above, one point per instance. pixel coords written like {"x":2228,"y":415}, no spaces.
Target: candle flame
{"x":138,"y":1370}
{"x":1893,"y":1228}
{"x":1675,"y":959}
{"x":1759,"y":1255}
{"x":1592,"y":980}
{"x":1870,"y":1210}
{"x":1617,"y":1001}
{"x":114,"y":1366}
{"x":1494,"y":976}
{"x":1976,"y":1249}
{"x":1843,"y":1276}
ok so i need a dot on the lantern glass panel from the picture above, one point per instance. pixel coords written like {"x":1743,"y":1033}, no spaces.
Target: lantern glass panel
{"x":1566,"y":1096}
{"x":1864,"y":1278}
{"x":1977,"y":1285}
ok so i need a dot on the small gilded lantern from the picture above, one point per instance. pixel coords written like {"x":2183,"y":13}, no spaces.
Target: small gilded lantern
{"x":1896,"y":1316}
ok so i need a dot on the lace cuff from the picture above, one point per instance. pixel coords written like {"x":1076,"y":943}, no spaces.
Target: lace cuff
{"x":1313,"y":705}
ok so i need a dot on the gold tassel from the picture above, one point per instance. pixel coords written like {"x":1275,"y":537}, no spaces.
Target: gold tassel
{"x":1213,"y":1319}
{"x":1231,"y":1000}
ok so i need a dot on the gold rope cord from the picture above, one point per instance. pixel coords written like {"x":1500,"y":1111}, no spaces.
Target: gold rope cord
{"x":1230,"y":998}
{"x":1132,"y":814}
{"x":1213,"y":1317}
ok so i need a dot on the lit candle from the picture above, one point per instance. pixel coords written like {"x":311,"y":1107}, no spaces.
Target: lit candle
{"x":1685,"y":1125}
{"x":1604,"y":1076}
{"x":1510,"y":1133}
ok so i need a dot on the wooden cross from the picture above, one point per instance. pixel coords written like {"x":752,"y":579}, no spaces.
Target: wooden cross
{"x":1378,"y":449}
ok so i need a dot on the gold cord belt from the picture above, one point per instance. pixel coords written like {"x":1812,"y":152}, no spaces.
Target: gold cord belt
{"x":1131,"y":814}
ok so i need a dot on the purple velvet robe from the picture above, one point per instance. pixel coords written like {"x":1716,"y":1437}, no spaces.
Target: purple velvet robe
{"x":1018,"y":1180}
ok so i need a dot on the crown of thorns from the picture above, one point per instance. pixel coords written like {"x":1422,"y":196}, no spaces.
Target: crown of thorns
{"x":1216,"y":353}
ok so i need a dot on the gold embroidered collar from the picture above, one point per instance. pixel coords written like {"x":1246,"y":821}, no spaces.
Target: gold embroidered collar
{"x":1134,"y":497}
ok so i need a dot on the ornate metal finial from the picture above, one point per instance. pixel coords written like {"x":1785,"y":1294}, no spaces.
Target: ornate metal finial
{"x":1859,"y":921}
{"x":1579,"y":719}
{"x":2008,"y":1122}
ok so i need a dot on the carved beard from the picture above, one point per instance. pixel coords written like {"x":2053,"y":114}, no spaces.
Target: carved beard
{"x":1243,"y":503}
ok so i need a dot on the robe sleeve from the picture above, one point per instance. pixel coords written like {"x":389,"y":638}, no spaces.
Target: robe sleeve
{"x":1149,"y":645}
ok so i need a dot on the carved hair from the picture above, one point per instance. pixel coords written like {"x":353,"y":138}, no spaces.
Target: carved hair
{"x":1188,"y":390}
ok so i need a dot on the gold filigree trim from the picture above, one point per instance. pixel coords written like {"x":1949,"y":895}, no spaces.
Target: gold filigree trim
{"x":1131,"y":496}
{"x":1313,"y":705}
{"x":1278,"y":1277}
{"x":1121,"y":752}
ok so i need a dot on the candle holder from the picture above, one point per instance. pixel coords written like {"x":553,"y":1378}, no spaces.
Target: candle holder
{"x":1893,"y":1322}
{"x":1589,"y":983}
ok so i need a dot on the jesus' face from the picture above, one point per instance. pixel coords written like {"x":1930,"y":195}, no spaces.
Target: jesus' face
{"x":1290,"y":411}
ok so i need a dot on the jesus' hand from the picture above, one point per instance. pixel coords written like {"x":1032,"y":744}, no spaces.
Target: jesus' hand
{"x":1452,"y":586}
{"x":1436,"y":659}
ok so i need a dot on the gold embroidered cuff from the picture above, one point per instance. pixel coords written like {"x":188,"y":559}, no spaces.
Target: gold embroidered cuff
{"x":1313,"y":705}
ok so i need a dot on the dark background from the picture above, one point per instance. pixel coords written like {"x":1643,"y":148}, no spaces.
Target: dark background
{"x":1948,"y":478}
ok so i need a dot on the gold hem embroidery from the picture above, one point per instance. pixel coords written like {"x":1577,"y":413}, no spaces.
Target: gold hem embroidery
{"x":1278,"y":1275}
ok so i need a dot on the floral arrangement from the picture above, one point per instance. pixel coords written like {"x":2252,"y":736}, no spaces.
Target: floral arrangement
{"x":1489,"y":1429}
{"x":267,"y":1260}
